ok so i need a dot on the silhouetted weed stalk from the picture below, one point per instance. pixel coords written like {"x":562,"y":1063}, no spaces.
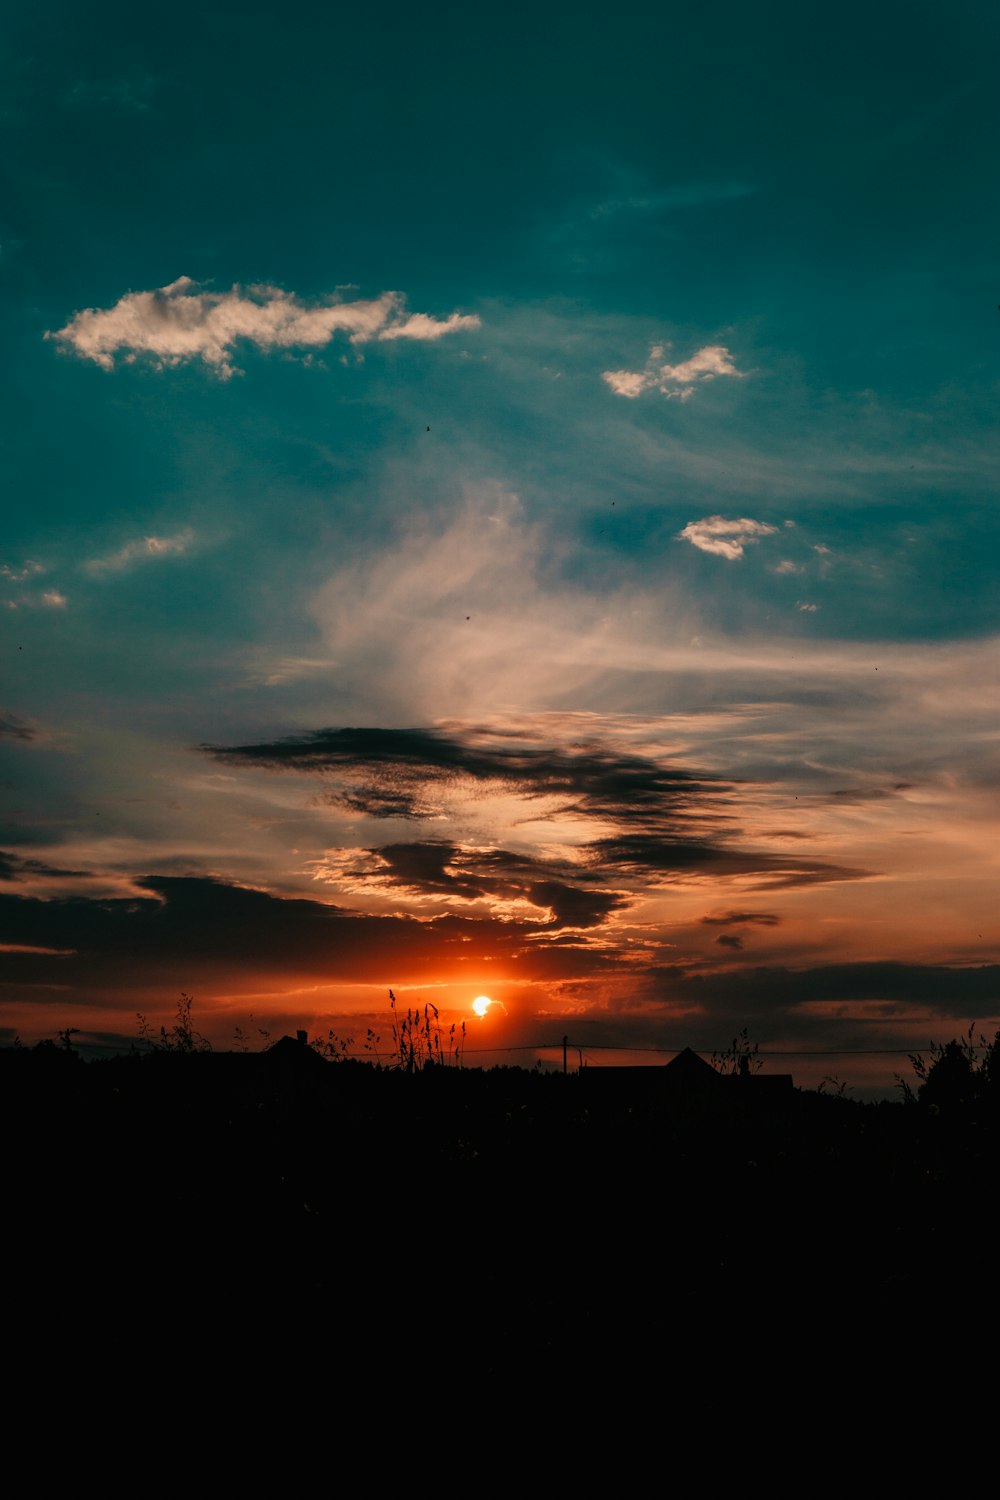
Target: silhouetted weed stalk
{"x":739,"y":1057}
{"x":181,"y":1036}
{"x":418,"y":1040}
{"x":335,"y":1048}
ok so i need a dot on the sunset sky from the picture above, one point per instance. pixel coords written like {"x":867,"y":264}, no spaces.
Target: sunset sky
{"x":502,"y":500}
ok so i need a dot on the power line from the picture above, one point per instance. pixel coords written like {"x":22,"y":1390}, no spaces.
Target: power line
{"x":673,"y":1051}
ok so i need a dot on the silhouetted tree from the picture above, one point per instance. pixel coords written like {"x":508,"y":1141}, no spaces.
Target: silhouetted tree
{"x":960,"y":1073}
{"x":951,"y":1080}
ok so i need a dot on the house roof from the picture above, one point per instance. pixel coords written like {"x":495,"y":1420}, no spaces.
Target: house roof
{"x":688,"y":1070}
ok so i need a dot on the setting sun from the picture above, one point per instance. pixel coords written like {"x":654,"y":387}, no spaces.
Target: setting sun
{"x":481,"y":1004}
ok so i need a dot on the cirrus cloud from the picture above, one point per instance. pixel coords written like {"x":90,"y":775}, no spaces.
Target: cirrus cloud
{"x":179,"y":323}
{"x":140,"y":550}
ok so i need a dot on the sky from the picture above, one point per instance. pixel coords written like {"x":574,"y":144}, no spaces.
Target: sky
{"x":502,"y":501}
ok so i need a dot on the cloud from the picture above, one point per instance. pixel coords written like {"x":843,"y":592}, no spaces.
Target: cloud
{"x":18,"y":575}
{"x":16,"y":867}
{"x":420,"y":326}
{"x":466,"y":608}
{"x":180,"y":323}
{"x":141,"y":550}
{"x":626,"y":382}
{"x":944,"y":990}
{"x":679,"y":380}
{"x":13,"y":728}
{"x":403,"y":772}
{"x":505,"y":881}
{"x":664,"y":823}
{"x":858,"y":795}
{"x":741,"y":918}
{"x":652,"y":857}
{"x":724,"y":538}
{"x":246,"y":938}
{"x":247,"y":941}
{"x":36,"y":948}
{"x":49,"y":599}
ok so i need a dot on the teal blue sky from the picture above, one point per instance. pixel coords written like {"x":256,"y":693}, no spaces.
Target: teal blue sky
{"x":619,"y":384}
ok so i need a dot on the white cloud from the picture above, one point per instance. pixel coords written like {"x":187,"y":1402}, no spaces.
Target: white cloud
{"x":179,"y":323}
{"x":673,"y":380}
{"x":462,"y":614}
{"x":18,"y":575}
{"x":629,"y":383}
{"x":141,"y":549}
{"x":787,"y":566}
{"x":50,"y":599}
{"x":420,"y":326}
{"x":725,"y":538}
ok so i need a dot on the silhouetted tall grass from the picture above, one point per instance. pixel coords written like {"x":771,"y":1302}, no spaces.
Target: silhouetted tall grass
{"x":418,"y":1039}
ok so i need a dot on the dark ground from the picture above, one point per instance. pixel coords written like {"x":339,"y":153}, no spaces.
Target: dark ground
{"x":523,"y":1231}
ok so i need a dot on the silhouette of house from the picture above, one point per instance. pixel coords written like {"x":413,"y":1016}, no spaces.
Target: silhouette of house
{"x":688,"y":1081}
{"x":690,"y":1074}
{"x":291,"y":1061}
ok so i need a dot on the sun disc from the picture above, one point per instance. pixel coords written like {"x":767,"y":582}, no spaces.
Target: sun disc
{"x":481,"y":1004}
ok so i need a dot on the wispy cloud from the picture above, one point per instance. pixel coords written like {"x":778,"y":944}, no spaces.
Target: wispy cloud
{"x":552,"y":892}
{"x":127,"y":93}
{"x":18,"y":575}
{"x":421,"y":326}
{"x":180,"y":323}
{"x":725,"y":538}
{"x":389,"y":771}
{"x":663,"y":822}
{"x":682,"y":195}
{"x":678,"y":380}
{"x":244,"y":935}
{"x":142,"y":549}
{"x":37,"y":948}
{"x":16,"y":867}
{"x":742,"y":918}
{"x":50,"y":599}
{"x":13,"y":728}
